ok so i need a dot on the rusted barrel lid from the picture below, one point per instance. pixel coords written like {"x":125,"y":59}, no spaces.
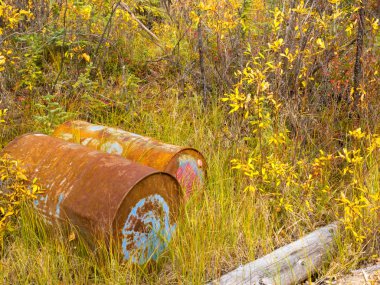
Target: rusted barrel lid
{"x":187,"y":164}
{"x":101,"y":193}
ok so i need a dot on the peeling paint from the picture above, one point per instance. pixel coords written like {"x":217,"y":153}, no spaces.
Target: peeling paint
{"x":147,"y":230}
{"x":86,"y":141}
{"x":112,"y":147}
{"x":93,"y":142}
{"x":41,"y":199}
{"x":96,"y":128}
{"x":67,"y":137}
{"x":189,"y":173}
{"x":61,"y":197}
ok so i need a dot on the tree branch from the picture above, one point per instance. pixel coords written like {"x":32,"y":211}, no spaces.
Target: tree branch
{"x":150,"y":33}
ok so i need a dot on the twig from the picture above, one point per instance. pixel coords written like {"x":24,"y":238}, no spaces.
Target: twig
{"x":62,"y":47}
{"x":331,"y":55}
{"x":202,"y":62}
{"x":150,"y":33}
{"x":358,"y":69}
{"x":107,"y":27}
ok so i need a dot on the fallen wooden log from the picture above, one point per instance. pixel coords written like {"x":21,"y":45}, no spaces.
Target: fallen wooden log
{"x":289,"y":264}
{"x":368,"y":275}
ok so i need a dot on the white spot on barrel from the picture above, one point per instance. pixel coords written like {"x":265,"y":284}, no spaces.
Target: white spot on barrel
{"x":63,"y":181}
{"x":116,"y":131}
{"x":86,"y":141}
{"x":66,"y":136}
{"x":94,"y":142}
{"x":112,"y":147}
{"x":95,"y":128}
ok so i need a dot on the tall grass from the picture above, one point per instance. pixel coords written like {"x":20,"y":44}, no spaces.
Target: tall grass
{"x":219,"y":228}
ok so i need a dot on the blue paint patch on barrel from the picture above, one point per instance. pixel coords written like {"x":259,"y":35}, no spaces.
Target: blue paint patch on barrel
{"x":40,"y":199}
{"x":147,"y":230}
{"x":58,"y":207}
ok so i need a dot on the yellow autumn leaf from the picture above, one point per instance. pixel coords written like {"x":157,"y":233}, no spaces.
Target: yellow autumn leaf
{"x":375,"y":25}
{"x":86,"y":12}
{"x":321,"y":43}
{"x":21,"y":176}
{"x":72,"y":236}
{"x":194,"y":18}
{"x":8,"y":214}
{"x":86,"y":57}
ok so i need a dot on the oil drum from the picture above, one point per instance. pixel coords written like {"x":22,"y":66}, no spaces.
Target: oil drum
{"x":187,"y":164}
{"x":101,"y":193}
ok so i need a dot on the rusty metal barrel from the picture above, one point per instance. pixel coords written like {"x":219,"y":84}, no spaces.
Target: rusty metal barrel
{"x":101,"y":193}
{"x":187,"y":164}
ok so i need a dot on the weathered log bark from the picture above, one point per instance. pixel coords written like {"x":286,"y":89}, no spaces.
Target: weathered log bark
{"x":289,"y":264}
{"x":368,"y":275}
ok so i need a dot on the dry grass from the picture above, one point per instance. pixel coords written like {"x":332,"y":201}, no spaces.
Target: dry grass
{"x":220,"y":228}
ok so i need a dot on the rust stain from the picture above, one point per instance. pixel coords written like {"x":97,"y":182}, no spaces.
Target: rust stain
{"x":187,"y":164}
{"x":101,"y":193}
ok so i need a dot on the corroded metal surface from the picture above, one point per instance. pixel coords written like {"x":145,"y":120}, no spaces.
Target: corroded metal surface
{"x":101,"y":193}
{"x":186,"y":164}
